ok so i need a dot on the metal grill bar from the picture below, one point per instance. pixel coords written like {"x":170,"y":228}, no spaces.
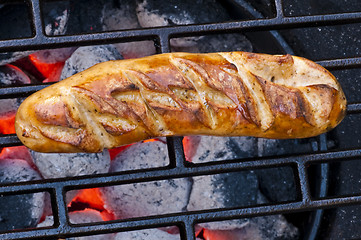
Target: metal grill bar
{"x":177,"y":172}
{"x":40,"y":41}
{"x":181,"y":218}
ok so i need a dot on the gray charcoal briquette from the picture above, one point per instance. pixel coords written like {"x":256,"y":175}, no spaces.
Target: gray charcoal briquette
{"x":59,"y":165}
{"x":19,"y":211}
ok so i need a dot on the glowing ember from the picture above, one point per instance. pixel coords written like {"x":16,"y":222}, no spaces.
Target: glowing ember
{"x":20,"y":152}
{"x":228,"y":234}
{"x":150,"y":140}
{"x":91,"y":198}
{"x":7,"y":124}
{"x":190,"y":145}
{"x":51,"y":71}
{"x":115,"y":151}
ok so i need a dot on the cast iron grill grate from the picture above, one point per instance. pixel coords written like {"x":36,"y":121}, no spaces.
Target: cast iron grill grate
{"x":178,"y":166}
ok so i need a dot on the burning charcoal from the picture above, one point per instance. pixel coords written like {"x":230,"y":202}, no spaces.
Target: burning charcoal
{"x":152,"y":13}
{"x":58,"y":165}
{"x":123,"y":16}
{"x":50,"y":62}
{"x":51,"y":56}
{"x":8,"y":109}
{"x":20,"y":152}
{"x":275,"y":227}
{"x":85,"y":57}
{"x":11,"y":75}
{"x":147,"y":234}
{"x":227,"y":190}
{"x":148,"y":198}
{"x":56,"y":16}
{"x":248,"y":232}
{"x":19,"y":211}
{"x":199,"y":149}
{"x":85,"y":216}
{"x":137,"y":156}
{"x":10,"y":57}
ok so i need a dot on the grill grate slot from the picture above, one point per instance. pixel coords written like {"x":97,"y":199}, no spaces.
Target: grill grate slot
{"x":178,"y":166}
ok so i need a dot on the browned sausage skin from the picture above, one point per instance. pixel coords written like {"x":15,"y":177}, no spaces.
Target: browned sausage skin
{"x":225,"y":94}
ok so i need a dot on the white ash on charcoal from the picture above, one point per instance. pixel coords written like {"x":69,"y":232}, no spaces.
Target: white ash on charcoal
{"x":50,"y":60}
{"x":78,"y":217}
{"x":19,"y":211}
{"x":9,"y":57}
{"x":152,"y":13}
{"x":119,"y":15}
{"x":86,"y":57}
{"x":10,"y":76}
{"x":8,"y":107}
{"x":147,"y":234}
{"x":48,"y":210}
{"x":146,"y":198}
{"x":139,"y":153}
{"x":228,"y":190}
{"x":200,"y":149}
{"x":56,"y":16}
{"x":51,"y":56}
{"x":248,"y":232}
{"x":60,"y":165}
{"x":19,"y":152}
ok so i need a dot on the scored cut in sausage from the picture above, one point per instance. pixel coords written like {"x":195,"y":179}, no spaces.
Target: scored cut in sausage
{"x":224,"y":94}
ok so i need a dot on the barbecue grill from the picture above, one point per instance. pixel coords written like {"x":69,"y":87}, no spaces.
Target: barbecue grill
{"x":310,"y":200}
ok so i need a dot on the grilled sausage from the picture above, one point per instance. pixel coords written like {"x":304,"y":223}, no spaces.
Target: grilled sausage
{"x":225,"y":94}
